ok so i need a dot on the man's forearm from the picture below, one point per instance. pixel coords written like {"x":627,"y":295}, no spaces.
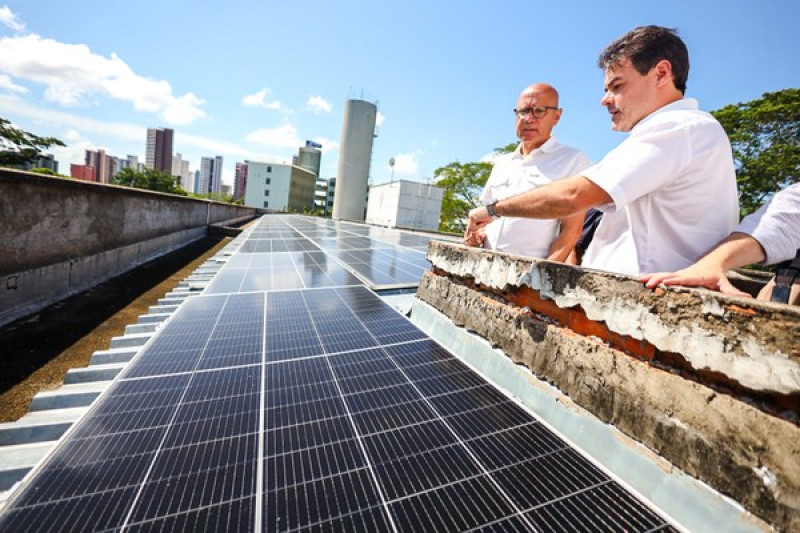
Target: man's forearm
{"x":736,"y":250}
{"x":556,"y":200}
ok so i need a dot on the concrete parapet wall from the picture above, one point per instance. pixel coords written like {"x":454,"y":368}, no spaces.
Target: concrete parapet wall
{"x":61,"y":236}
{"x":708,"y":382}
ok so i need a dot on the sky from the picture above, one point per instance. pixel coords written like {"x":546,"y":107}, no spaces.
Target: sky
{"x":253,"y":80}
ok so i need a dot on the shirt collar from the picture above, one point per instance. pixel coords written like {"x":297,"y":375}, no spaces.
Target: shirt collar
{"x":548,"y":146}
{"x":688,"y":104}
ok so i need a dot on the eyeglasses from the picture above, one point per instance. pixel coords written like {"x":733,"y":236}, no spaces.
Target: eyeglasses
{"x":537,"y":112}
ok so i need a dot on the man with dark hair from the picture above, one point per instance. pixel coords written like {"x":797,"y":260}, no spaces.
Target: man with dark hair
{"x":668,"y":191}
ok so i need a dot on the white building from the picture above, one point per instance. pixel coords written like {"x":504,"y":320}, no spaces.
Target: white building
{"x":210,"y":175}
{"x":405,"y":204}
{"x":180,"y":169}
{"x":279,"y":187}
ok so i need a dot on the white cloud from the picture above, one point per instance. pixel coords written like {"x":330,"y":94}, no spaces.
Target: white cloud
{"x":212,"y":146}
{"x":12,"y":104}
{"x":72,"y":72}
{"x":407,"y":164}
{"x":284,"y":136}
{"x":379,"y":119}
{"x":259,"y":99}
{"x":7,"y":84}
{"x":79,"y":128}
{"x":8,"y":18}
{"x":73,"y":152}
{"x":318,"y":104}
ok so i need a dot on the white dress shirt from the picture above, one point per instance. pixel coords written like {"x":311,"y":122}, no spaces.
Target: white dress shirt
{"x":673,"y":187}
{"x":776,"y":225}
{"x":513,"y":174}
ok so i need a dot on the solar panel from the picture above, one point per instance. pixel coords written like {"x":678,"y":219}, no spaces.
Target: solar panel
{"x":382,"y":258}
{"x":318,"y":409}
{"x":289,"y":397}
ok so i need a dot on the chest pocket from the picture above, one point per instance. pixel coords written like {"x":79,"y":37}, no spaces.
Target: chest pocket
{"x":531,"y":179}
{"x":518,"y":181}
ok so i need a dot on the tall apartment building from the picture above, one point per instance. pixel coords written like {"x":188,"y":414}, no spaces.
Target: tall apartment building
{"x":279,"y":187}
{"x":180,"y":169}
{"x":131,"y":162}
{"x":158,"y":155}
{"x":210,"y":175}
{"x":105,"y":165}
{"x":239,"y":181}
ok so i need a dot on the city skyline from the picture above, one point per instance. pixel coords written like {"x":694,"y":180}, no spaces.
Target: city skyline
{"x":445,"y":75}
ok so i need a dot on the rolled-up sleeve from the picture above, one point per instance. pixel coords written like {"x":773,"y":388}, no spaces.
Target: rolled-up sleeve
{"x":776,"y":225}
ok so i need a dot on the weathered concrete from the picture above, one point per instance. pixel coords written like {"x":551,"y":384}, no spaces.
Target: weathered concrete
{"x":63,"y":236}
{"x":611,"y":344}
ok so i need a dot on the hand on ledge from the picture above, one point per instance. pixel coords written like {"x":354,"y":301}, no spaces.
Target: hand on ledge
{"x":700,"y":274}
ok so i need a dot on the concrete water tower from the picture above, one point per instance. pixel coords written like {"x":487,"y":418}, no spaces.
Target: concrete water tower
{"x":355,"y":152}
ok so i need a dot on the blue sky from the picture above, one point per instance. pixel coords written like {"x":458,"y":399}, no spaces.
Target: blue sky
{"x":255,"y":79}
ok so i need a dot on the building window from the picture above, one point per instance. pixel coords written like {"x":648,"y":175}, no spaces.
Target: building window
{"x":266,"y":204}
{"x":269,"y":180}
{"x":269,"y":169}
{"x":266,"y":192}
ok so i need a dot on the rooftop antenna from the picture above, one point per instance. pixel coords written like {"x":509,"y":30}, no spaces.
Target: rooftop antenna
{"x":391,"y":164}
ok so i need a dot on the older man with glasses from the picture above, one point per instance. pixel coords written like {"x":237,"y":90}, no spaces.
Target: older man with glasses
{"x":668,"y":191}
{"x":539,"y":159}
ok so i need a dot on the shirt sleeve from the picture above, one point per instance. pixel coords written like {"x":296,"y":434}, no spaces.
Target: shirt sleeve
{"x":776,"y":225}
{"x":644,"y":162}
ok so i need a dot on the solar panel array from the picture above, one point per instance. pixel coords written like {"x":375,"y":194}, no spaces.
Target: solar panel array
{"x":323,"y":253}
{"x":313,"y":409}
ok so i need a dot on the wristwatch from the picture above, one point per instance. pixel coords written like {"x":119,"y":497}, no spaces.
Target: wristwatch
{"x":490,"y":210}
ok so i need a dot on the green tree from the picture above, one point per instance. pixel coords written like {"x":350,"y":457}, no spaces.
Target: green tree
{"x":765,"y":137}
{"x":153,"y":180}
{"x":510,"y":147}
{"x":462,"y":183}
{"x":18,"y":147}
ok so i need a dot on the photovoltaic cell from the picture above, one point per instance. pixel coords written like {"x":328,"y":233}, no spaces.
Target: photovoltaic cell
{"x":315,"y":409}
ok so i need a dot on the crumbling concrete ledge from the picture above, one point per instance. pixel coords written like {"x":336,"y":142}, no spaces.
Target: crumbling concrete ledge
{"x":708,"y":382}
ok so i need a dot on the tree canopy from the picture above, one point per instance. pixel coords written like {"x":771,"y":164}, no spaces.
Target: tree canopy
{"x":462,"y":183}
{"x":18,"y":147}
{"x":765,"y":138}
{"x":154,"y":180}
